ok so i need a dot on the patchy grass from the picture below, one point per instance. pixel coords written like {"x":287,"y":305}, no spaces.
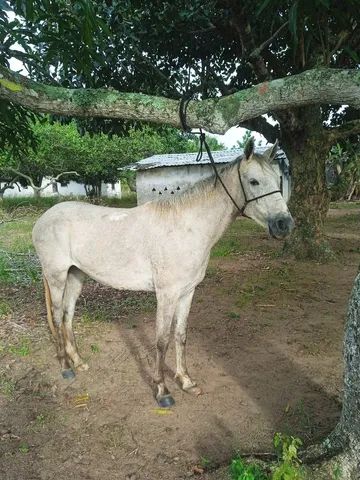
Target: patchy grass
{"x":24,"y":448}
{"x":95,"y":316}
{"x":345,"y":223}
{"x":21,"y":349}
{"x":237,"y":239}
{"x":43,"y":203}
{"x":19,"y":268}
{"x":94,"y":348}
{"x":16,"y":235}
{"x":123,"y":304}
{"x":266,"y":285}
{"x":5,"y":308}
{"x":299,"y":419}
{"x":345,"y":205}
{"x":7,"y":386}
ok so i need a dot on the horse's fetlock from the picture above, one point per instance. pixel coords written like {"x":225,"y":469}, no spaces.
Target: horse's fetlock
{"x":180,"y":338}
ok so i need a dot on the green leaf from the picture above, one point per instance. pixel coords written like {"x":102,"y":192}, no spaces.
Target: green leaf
{"x":262,"y":7}
{"x":293,"y":13}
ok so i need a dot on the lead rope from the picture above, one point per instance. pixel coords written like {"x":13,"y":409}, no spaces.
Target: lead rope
{"x":184,"y":102}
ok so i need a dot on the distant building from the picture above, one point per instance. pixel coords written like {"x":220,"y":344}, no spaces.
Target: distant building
{"x":64,"y":189}
{"x":171,"y":174}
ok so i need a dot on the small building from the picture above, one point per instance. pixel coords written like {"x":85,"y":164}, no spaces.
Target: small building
{"x":171,"y":174}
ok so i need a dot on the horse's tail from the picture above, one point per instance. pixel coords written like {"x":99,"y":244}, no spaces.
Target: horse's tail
{"x":48,"y":302}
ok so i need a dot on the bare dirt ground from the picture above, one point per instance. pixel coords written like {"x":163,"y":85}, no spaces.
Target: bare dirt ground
{"x":265,"y":342}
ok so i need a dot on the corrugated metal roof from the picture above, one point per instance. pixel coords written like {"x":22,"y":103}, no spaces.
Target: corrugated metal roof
{"x":180,"y":159}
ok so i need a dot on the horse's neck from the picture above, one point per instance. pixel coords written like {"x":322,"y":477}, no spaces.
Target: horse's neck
{"x":215,"y":210}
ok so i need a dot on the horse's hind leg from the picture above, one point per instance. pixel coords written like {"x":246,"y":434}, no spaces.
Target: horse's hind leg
{"x":56,"y":283}
{"x":164,"y":318}
{"x":181,"y":316}
{"x":74,"y":283}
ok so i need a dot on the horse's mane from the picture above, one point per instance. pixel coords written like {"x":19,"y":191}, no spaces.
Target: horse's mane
{"x":205,"y":187}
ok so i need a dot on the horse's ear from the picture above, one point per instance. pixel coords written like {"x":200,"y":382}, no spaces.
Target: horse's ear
{"x":271,"y":152}
{"x":249,"y":148}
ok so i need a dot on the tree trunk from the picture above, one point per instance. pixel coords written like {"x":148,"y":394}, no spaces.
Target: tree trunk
{"x":307,"y":150}
{"x":37,"y":192}
{"x":340,"y":452}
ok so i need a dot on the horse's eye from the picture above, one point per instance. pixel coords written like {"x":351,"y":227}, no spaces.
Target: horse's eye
{"x":254,"y":182}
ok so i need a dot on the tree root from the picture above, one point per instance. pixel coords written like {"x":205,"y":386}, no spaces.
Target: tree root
{"x":343,"y":466}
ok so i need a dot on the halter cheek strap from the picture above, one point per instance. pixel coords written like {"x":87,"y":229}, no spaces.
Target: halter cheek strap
{"x":203,"y":143}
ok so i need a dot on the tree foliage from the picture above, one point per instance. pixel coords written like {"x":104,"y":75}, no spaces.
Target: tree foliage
{"x":95,"y":157}
{"x":344,"y":170}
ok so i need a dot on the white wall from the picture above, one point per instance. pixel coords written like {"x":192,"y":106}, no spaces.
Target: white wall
{"x":72,"y":188}
{"x":169,"y":178}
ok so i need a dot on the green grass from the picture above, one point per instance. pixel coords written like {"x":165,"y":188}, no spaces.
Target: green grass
{"x":345,"y":205}
{"x":7,"y":386}
{"x":94,"y":348}
{"x":94,"y":316}
{"x":16,"y":235}
{"x":264,"y":285}
{"x":349,"y":223}
{"x":237,"y":239}
{"x":43,"y":203}
{"x":5,"y":308}
{"x":24,"y":448}
{"x":21,"y":349}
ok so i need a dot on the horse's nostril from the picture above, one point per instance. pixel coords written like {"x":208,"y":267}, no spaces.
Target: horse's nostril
{"x":281,"y":224}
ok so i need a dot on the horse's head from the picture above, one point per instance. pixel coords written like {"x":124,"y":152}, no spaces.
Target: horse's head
{"x":261,"y":187}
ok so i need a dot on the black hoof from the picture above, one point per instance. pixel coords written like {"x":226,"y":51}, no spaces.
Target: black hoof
{"x":68,"y":374}
{"x":165,"y":401}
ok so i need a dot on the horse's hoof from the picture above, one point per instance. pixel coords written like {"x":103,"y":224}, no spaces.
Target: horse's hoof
{"x":194,"y":390}
{"x":82,"y":367}
{"x":68,"y":374}
{"x":165,"y":401}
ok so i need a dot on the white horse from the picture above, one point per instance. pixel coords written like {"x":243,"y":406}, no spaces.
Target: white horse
{"x":161,"y":246}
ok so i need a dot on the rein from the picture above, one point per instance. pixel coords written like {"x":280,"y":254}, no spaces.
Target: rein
{"x":184,"y":102}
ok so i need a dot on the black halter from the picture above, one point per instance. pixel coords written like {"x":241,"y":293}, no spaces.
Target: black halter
{"x":203,"y":143}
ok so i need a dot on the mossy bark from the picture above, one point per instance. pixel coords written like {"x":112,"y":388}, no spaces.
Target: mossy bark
{"x":339,"y":454}
{"x":216,"y":115}
{"x":307,"y":149}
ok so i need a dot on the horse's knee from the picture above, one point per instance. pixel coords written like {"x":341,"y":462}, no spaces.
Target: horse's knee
{"x":162,"y":344}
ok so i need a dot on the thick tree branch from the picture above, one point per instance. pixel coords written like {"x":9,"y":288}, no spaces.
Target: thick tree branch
{"x":260,"y":125}
{"x":345,"y":130}
{"x":217,"y":115}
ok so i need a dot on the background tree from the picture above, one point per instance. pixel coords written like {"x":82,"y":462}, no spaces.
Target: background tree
{"x":91,"y":158}
{"x":344,"y":170}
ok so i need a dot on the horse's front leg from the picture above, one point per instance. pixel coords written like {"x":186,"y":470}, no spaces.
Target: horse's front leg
{"x":181,"y":317}
{"x":165,"y":314}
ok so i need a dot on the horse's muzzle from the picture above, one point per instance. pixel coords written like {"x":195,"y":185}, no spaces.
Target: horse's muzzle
{"x":281,"y":226}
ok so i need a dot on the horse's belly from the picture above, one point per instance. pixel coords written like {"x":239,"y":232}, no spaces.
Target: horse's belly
{"x":124,"y":282}
{"x":124,"y":272}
